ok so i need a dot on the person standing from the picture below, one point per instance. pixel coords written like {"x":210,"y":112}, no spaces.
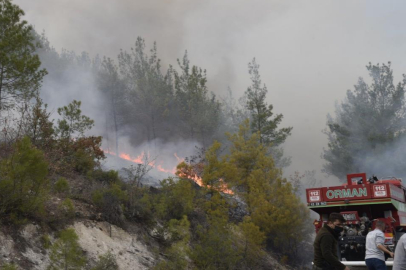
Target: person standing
{"x":375,"y":248}
{"x":399,"y":263}
{"x":325,"y":244}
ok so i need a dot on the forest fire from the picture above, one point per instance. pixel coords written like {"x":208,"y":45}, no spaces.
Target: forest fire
{"x":181,"y":172}
{"x":141,"y":159}
{"x":187,"y":172}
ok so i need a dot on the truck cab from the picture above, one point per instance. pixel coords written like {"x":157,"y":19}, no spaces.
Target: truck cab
{"x":362,"y":202}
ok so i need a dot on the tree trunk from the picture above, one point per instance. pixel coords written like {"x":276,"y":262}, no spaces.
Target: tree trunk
{"x":153,"y":126}
{"x":115,"y":123}
{"x":1,"y":87}
{"x":107,"y":131}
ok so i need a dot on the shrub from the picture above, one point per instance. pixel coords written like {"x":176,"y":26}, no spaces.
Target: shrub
{"x":83,"y":162}
{"x":110,"y":202}
{"x":106,"y":262}
{"x":67,"y":208}
{"x":107,"y":177}
{"x":62,"y":185}
{"x":87,"y":153}
{"x":23,"y":185}
{"x":46,"y":241}
{"x":175,"y":200}
{"x":140,"y":206}
{"x":115,"y":191}
{"x":9,"y":266}
{"x":177,"y":253}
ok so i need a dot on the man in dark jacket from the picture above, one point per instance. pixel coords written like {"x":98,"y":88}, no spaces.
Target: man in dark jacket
{"x":325,"y":245}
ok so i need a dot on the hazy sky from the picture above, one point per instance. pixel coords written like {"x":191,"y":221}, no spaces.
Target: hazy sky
{"x":310,"y":52}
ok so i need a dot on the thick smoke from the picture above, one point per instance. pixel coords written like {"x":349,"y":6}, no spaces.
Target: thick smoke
{"x":310,"y":52}
{"x":72,"y":77}
{"x":161,"y":157}
{"x":73,"y":83}
{"x":384,"y":162}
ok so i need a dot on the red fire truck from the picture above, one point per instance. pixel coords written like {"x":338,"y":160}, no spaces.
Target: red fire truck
{"x":362,"y":202}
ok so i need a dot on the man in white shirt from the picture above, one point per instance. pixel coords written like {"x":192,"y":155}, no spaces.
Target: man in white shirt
{"x":399,"y":263}
{"x":374,"y":253}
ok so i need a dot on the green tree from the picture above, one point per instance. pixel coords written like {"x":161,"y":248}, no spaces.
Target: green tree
{"x":261,"y":112}
{"x":66,"y":252}
{"x":199,"y":113}
{"x":215,"y":246}
{"x":112,"y":86}
{"x":272,"y":204}
{"x":287,"y":216}
{"x":20,"y":74}
{"x":110,"y":202}
{"x":253,"y":240}
{"x":263,"y":119}
{"x":213,"y":172}
{"x":38,"y":126}
{"x":149,"y":91}
{"x":178,"y":251}
{"x":139,"y":205}
{"x":370,"y":121}
{"x":250,"y":169}
{"x":23,"y":184}
{"x":175,"y":199}
{"x":73,"y":122}
{"x":76,"y":152}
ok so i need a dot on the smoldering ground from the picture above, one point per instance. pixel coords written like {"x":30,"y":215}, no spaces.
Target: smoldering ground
{"x":310,"y":52}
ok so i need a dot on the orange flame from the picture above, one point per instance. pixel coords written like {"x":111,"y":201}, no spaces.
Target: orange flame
{"x":140,"y":159}
{"x":178,"y":158}
{"x":190,"y":174}
{"x":182,"y":173}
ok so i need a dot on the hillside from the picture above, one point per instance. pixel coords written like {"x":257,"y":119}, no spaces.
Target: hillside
{"x":133,"y":248}
{"x":67,"y":202}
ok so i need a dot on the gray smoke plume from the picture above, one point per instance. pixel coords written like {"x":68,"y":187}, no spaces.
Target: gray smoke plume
{"x":310,"y":52}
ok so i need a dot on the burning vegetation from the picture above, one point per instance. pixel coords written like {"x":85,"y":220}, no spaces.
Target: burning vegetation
{"x":53,"y":167}
{"x":182,"y":170}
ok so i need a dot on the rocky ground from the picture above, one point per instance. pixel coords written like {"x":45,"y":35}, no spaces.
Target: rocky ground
{"x":134,"y":248}
{"x":26,"y":248}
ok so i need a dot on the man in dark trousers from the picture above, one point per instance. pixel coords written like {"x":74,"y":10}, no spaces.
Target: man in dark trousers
{"x":325,"y":244}
{"x":375,"y":248}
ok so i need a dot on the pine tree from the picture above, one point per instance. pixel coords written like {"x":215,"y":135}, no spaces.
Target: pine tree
{"x":176,"y":199}
{"x":20,"y":73}
{"x":73,"y":122}
{"x":270,"y":199}
{"x":253,"y":240}
{"x":248,"y":156}
{"x":261,"y":113}
{"x":213,"y":171}
{"x":215,"y":248}
{"x":66,"y":253}
{"x":177,"y":253}
{"x":369,"y":122}
{"x":112,"y":86}
{"x":24,"y":184}
{"x":149,"y":92}
{"x":199,"y":112}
